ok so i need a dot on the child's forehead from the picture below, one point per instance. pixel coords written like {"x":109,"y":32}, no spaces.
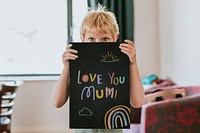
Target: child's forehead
{"x":99,"y":30}
{"x":98,"y":33}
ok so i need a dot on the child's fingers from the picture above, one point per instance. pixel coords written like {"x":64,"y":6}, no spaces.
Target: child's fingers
{"x":72,"y":51}
{"x":125,"y":47}
{"x":128,"y":48}
{"x":68,"y":56}
{"x":73,"y":56}
{"x":128,"y":54}
{"x":68,"y":46}
{"x":129,"y":42}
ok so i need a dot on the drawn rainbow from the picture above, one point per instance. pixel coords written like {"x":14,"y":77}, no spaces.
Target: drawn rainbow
{"x":117,"y":117}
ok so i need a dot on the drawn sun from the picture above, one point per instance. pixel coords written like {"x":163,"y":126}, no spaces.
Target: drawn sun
{"x":109,"y":57}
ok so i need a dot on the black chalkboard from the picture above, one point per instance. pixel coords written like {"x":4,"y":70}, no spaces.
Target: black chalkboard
{"x":99,"y":87}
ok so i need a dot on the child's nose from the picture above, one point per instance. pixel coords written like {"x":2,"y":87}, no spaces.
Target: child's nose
{"x":97,"y":40}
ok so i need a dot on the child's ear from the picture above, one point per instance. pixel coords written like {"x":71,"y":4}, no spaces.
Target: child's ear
{"x":116,"y":37}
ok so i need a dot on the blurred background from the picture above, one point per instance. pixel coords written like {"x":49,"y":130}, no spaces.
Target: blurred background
{"x":34,"y":34}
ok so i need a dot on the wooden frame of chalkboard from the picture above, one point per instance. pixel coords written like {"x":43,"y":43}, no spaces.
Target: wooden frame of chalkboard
{"x":99,"y":87}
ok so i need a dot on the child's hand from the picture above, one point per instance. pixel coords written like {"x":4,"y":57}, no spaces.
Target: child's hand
{"x":129,"y":49}
{"x":69,"y":54}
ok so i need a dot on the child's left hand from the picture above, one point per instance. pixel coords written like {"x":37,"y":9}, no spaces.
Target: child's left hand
{"x":129,"y":49}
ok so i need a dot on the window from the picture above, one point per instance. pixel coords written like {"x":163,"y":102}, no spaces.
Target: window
{"x":33,"y":36}
{"x":79,"y":11}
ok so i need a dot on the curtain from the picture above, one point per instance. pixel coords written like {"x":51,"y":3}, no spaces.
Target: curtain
{"x":69,"y":21}
{"x":123,"y":10}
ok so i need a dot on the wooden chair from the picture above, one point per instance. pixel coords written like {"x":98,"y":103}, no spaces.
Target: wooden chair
{"x":7,"y":96}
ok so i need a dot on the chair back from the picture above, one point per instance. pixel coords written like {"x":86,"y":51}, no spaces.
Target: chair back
{"x":7,"y":96}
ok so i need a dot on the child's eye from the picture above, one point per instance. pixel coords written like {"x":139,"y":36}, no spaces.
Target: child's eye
{"x":106,"y":39}
{"x":91,"y":39}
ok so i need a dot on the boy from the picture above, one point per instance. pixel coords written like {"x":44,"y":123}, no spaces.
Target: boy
{"x":100,"y":26}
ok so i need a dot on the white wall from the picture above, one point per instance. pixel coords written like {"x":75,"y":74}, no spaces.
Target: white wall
{"x":146,"y":36}
{"x":180,"y":40}
{"x":34,"y":112}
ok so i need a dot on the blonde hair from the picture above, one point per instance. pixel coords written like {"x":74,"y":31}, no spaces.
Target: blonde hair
{"x":99,"y":20}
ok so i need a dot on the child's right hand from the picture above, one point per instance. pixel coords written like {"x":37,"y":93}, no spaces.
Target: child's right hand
{"x":69,"y":54}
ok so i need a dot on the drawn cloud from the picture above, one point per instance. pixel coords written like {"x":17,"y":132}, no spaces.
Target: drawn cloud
{"x":85,"y":112}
